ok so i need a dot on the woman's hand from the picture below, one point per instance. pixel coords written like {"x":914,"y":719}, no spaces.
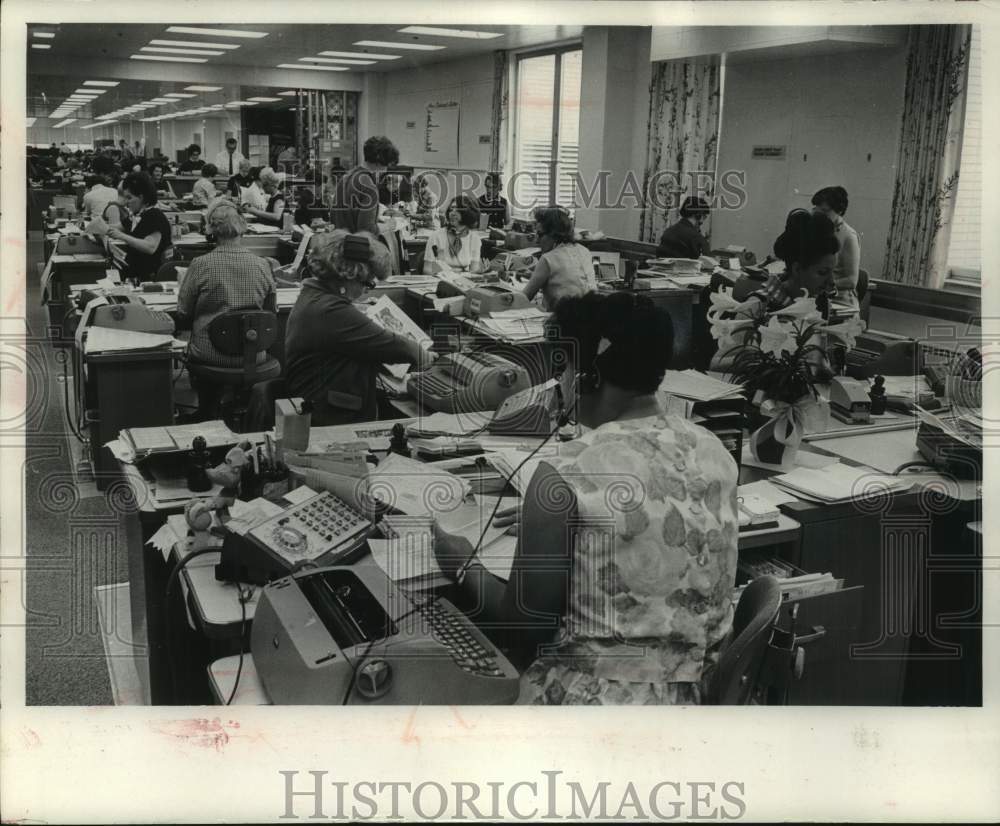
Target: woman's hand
{"x":509,"y":518}
{"x":116,"y":234}
{"x":450,"y":551}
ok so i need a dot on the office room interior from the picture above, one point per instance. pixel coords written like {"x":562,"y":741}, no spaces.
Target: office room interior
{"x":704,"y":187}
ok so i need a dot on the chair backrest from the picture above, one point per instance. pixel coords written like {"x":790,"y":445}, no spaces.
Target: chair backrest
{"x":167,"y":271}
{"x":742,"y":660}
{"x":244,"y":333}
{"x":862,"y":288}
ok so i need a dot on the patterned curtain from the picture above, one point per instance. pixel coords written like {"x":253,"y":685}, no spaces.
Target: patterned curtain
{"x":930,"y":150}
{"x":498,"y":119}
{"x":682,"y":140}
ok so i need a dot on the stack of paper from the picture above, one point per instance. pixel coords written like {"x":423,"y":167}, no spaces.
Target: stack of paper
{"x":407,"y":552}
{"x":416,"y":488}
{"x":109,"y":340}
{"x":447,"y":424}
{"x":515,"y":329}
{"x":262,"y":229}
{"x":509,"y":461}
{"x":473,"y":521}
{"x":674,"y":266}
{"x":838,"y":483}
{"x":690,"y":384}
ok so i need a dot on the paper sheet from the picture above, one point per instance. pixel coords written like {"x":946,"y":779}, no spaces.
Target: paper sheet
{"x":409,"y":553}
{"x":415,"y":488}
{"x":216,"y":434}
{"x":802,"y":458}
{"x":770,"y":493}
{"x":110,"y":340}
{"x":300,"y":494}
{"x":244,"y":516}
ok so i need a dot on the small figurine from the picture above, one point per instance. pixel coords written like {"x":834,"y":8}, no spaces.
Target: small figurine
{"x":877,"y":395}
{"x":229,"y":472}
{"x":398,"y":442}
{"x":197,"y":475}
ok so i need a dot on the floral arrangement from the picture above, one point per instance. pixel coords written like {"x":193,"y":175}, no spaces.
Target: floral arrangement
{"x":779,"y":357}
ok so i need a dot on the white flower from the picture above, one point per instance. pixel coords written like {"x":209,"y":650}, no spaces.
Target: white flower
{"x":803,"y":308}
{"x":776,"y":336}
{"x":725,"y":332}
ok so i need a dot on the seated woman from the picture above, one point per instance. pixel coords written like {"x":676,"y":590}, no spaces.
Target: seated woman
{"x":493,"y":204}
{"x":149,"y":238}
{"x":333,"y":350}
{"x":163,"y":187}
{"x":229,"y":277}
{"x":273,"y":208}
{"x":621,"y":588}
{"x":455,"y":245}
{"x":243,"y":179}
{"x":303,"y":216}
{"x":203,"y":192}
{"x":831,"y":201}
{"x":565,"y":268}
{"x":102,"y":193}
{"x":684,"y":239}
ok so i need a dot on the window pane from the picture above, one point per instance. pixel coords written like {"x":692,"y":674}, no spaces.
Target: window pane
{"x":533,"y":159}
{"x":569,"y":127}
{"x":964,"y":250}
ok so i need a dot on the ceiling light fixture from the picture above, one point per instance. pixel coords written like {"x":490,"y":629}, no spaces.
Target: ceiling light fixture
{"x":265,"y":100}
{"x":40,"y":46}
{"x":63,"y":123}
{"x":386,"y":44}
{"x":289,"y":93}
{"x":219,"y":32}
{"x":100,"y":83}
{"x":202,"y":88}
{"x":339,"y":60}
{"x":169,"y":59}
{"x":44,"y":35}
{"x":193,"y":44}
{"x":171,"y":50}
{"x":178,"y":95}
{"x":366,"y":55}
{"x":314,"y":68}
{"x":434,"y":31}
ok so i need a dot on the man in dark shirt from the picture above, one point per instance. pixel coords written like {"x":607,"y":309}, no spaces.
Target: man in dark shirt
{"x":355,"y":203}
{"x":194,"y":163}
{"x":684,"y":239}
{"x":493,"y":204}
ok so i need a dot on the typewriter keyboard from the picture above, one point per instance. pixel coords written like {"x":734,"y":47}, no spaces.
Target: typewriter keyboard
{"x":450,"y":630}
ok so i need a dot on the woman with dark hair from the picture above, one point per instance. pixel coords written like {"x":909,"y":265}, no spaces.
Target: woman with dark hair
{"x":102,"y":193}
{"x":456,"y":245}
{"x":149,"y":237}
{"x":355,"y":197}
{"x":162,"y":185}
{"x":565,"y":268}
{"x":621,"y":587}
{"x":194,"y":163}
{"x":831,"y":201}
{"x":333,"y":349}
{"x":808,"y":247}
{"x":684,"y":239}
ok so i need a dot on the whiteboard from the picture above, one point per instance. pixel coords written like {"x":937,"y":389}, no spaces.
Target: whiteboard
{"x":441,"y":134}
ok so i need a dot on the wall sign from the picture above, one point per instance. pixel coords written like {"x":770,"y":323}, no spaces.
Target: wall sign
{"x":769,"y":152}
{"x":441,"y":135}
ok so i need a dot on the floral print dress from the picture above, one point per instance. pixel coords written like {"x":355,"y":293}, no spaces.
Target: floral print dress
{"x":653,"y":568}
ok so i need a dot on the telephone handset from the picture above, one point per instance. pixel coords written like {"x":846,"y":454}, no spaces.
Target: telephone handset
{"x":528,"y":413}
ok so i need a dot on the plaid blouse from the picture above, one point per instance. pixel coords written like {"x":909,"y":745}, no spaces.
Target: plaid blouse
{"x":227,"y":278}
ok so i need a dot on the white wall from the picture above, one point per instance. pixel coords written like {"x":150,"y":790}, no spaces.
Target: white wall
{"x":838,"y":115}
{"x":397,"y":99}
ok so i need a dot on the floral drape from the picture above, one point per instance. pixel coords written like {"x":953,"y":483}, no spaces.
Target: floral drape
{"x":930,"y":150}
{"x":499,"y":116}
{"x":682,"y":140}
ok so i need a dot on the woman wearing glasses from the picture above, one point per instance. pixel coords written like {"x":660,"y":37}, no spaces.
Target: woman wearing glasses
{"x":333,"y":349}
{"x":565,"y":268}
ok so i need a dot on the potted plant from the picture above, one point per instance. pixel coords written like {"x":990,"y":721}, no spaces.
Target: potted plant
{"x":779,"y":358}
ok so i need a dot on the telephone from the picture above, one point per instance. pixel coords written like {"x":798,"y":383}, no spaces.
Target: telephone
{"x":529,"y":413}
{"x":312,"y":630}
{"x":321,"y":526}
{"x":467,"y":382}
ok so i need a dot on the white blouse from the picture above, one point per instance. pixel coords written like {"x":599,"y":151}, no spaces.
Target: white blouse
{"x":438,"y":250}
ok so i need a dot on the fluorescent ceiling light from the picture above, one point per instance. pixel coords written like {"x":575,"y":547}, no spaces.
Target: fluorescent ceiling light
{"x":162,"y":100}
{"x":178,"y":95}
{"x":289,"y":93}
{"x":366,"y":55}
{"x":44,"y":35}
{"x":109,"y":115}
{"x":30,"y":121}
{"x":434,"y":31}
{"x":294,"y":109}
{"x":171,"y":50}
{"x":202,"y":88}
{"x":266,"y":100}
{"x":193,"y":44}
{"x":234,"y":103}
{"x":169,"y":59}
{"x":339,"y":60}
{"x":100,"y":83}
{"x":147,"y":120}
{"x":40,"y":46}
{"x":63,"y":123}
{"x":219,"y":32}
{"x":386,"y":44}
{"x":93,"y":93}
{"x":314,"y":68}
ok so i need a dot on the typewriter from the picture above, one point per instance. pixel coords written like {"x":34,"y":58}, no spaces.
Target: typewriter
{"x":467,"y":383}
{"x":337,"y":635}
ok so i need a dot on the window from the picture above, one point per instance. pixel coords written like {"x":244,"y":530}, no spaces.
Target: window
{"x":547,"y":129}
{"x":964,"y":249}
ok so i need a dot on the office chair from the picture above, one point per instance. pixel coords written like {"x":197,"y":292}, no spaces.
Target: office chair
{"x":168,"y":270}
{"x":245,"y":333}
{"x":741,"y":663}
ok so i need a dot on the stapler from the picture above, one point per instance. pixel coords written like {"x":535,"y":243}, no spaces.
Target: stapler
{"x":849,"y":400}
